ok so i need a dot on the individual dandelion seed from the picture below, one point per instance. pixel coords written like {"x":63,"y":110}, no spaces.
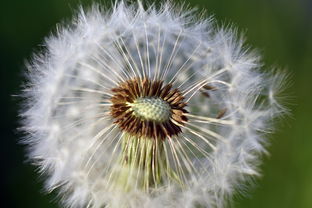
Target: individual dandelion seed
{"x":137,"y":107}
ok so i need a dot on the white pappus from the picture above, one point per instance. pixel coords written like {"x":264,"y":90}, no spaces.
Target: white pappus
{"x":134,"y":107}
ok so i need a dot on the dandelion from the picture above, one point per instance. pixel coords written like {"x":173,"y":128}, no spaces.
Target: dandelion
{"x":137,"y":107}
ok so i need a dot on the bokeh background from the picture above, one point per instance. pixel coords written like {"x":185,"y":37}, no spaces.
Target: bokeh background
{"x":280,"y":29}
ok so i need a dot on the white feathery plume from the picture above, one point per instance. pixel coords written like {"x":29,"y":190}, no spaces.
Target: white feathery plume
{"x":137,"y":107}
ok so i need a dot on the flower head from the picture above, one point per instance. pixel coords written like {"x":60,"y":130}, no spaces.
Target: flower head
{"x":147,"y":108}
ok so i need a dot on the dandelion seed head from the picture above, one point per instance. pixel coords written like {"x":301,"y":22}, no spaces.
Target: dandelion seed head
{"x":134,"y":107}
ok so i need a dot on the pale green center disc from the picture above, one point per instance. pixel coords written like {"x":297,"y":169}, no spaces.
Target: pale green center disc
{"x":151,"y":109}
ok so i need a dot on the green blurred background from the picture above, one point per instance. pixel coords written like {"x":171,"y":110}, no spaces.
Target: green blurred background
{"x":281,"y":29}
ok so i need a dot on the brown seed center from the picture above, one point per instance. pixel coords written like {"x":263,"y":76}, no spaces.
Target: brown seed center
{"x":149,"y":109}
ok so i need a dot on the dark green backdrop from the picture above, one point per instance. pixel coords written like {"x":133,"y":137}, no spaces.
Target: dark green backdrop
{"x":281,"y":29}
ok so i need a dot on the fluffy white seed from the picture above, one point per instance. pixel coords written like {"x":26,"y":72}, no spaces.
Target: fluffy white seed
{"x":71,"y":134}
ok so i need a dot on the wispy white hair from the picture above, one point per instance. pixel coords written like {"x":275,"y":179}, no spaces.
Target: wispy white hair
{"x":73,"y":141}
